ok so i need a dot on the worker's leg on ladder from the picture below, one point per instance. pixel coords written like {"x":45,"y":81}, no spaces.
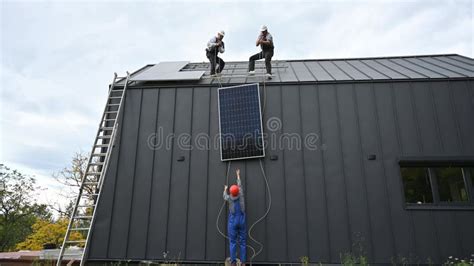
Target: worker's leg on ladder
{"x":243,"y":239}
{"x":268,"y":61}
{"x":232,"y":230}
{"x":252,"y":60}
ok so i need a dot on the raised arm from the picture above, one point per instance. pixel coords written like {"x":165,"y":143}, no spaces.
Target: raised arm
{"x":259,"y":40}
{"x":222,"y":47}
{"x":225,"y":195}
{"x":268,"y":40}
{"x":239,"y":183}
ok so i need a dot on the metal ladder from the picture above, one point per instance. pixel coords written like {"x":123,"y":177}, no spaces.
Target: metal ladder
{"x":84,"y":212}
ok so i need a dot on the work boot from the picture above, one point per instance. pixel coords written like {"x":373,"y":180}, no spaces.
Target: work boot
{"x":252,"y":72}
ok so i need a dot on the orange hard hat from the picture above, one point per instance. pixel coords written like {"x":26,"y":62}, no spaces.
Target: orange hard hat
{"x":234,"y":190}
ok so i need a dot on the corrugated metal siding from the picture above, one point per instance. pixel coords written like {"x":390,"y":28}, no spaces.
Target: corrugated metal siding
{"x":324,"y":200}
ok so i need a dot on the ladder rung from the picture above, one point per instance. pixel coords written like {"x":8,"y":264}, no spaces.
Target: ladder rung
{"x":101,"y":145}
{"x":104,"y":137}
{"x":80,"y":229}
{"x":82,"y":217}
{"x":99,"y":154}
{"x":107,"y":128}
{"x":86,"y":206}
{"x":111,"y":112}
{"x":91,"y":164}
{"x":113,"y":104}
{"x":75,"y":241}
{"x":110,"y":119}
{"x":88,"y":194}
{"x":90,"y":183}
{"x":115,"y":97}
{"x":116,"y":90}
{"x":93,"y":173}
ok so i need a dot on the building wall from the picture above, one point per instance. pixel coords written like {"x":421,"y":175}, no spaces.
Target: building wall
{"x":325,"y":201}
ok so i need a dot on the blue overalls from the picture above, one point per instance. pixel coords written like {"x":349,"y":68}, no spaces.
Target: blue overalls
{"x":237,"y":229}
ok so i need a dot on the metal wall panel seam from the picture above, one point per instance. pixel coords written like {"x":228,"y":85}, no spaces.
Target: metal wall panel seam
{"x":134,"y":172}
{"x":471,"y":93}
{"x":431,"y":63}
{"x":356,"y":70}
{"x":325,"y":70}
{"x":264,"y":93}
{"x":294,"y":72}
{"x":415,"y":116}
{"x":356,"y":108}
{"x":450,"y":63}
{"x":376,"y":57}
{"x":380,"y":149}
{"x":401,"y":151}
{"x":430,"y":212}
{"x":392,"y":69}
{"x":419,"y":144}
{"x":360,"y":70}
{"x":247,"y":77}
{"x":380,"y":72}
{"x":323,"y":163}
{"x":342,"y":71}
{"x":171,"y":170}
{"x":465,"y":57}
{"x":284,"y":176}
{"x":304,"y":172}
{"x":443,"y":149}
{"x":152,"y":176}
{"x":311,"y":73}
{"x":429,"y":69}
{"x":266,"y":220}
{"x":435,"y":109}
{"x":189,"y":174}
{"x":349,"y":227}
{"x":461,"y":61}
{"x":428,"y":77}
{"x":456,"y":121}
{"x":116,"y":171}
{"x":207,"y":173}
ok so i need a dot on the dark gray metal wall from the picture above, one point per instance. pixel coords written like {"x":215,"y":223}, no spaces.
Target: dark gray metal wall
{"x":324,"y":201}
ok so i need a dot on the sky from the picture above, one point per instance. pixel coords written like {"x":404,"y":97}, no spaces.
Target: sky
{"x":58,"y":57}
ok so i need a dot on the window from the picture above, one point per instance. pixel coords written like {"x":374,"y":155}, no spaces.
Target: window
{"x":416,"y":183}
{"x":451,"y":185}
{"x":438,"y":186}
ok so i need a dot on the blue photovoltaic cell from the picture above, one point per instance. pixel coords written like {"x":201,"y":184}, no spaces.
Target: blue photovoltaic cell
{"x":240,"y":122}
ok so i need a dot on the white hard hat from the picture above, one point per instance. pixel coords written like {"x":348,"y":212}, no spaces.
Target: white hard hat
{"x":263,"y":28}
{"x":221,"y":32}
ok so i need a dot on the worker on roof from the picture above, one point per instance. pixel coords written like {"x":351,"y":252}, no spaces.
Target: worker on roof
{"x":214,"y":47}
{"x":265,"y":40}
{"x":236,"y":226}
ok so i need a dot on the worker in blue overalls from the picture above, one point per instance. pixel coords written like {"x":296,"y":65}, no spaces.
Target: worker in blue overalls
{"x":236,"y":224}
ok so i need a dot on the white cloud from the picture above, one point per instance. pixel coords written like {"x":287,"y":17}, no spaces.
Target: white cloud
{"x":57,"y":58}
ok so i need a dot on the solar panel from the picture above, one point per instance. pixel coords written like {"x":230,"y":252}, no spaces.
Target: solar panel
{"x":240,"y":122}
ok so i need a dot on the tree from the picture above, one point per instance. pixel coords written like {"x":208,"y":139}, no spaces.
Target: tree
{"x":18,"y":207}
{"x":71,"y":178}
{"x":47,"y":232}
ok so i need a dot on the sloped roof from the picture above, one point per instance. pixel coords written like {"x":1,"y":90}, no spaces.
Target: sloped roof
{"x":443,"y":66}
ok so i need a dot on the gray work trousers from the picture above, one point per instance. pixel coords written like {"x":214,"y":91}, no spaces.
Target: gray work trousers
{"x":267,"y":54}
